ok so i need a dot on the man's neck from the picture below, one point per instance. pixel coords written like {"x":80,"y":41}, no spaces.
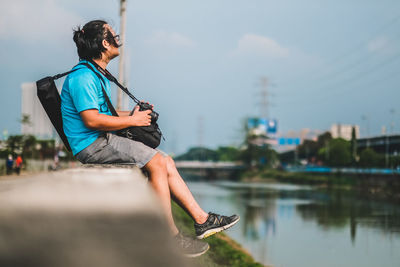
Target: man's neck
{"x":101,"y":62}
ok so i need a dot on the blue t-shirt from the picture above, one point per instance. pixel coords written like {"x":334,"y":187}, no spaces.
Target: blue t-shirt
{"x":82,"y":91}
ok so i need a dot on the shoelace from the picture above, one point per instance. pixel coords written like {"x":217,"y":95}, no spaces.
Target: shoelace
{"x":218,"y":218}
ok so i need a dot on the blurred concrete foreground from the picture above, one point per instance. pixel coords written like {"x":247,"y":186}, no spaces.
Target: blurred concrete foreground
{"x":90,"y":216}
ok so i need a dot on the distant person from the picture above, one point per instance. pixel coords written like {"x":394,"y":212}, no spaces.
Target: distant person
{"x":89,"y":125}
{"x":18,"y":164}
{"x":9,"y":164}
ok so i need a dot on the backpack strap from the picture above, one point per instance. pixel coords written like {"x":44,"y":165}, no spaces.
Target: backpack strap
{"x":110,"y":106}
{"x":58,"y":76}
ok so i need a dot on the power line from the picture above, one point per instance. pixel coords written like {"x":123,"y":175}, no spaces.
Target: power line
{"x":361,"y":44}
{"x":356,"y":48}
{"x":352,"y":65}
{"x":363,"y":73}
{"x":339,"y":86}
{"x":320,"y":100}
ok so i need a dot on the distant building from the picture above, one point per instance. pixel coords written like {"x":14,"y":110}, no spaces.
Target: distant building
{"x":291,"y":139}
{"x":39,"y":124}
{"x":344,"y":131}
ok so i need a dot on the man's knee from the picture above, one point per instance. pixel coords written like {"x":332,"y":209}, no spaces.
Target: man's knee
{"x":171,"y":168}
{"x":170,"y":161}
{"x":158,"y":162}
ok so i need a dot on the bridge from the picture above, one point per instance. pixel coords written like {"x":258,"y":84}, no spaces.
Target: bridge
{"x":389,"y":144}
{"x":209,"y":170}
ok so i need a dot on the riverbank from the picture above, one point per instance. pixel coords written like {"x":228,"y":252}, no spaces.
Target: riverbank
{"x":223,"y":250}
{"x":372,"y":186}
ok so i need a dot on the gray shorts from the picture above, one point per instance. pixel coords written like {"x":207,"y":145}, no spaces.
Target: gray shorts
{"x":111,"y":148}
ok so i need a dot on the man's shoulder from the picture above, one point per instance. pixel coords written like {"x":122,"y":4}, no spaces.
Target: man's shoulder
{"x":82,"y":72}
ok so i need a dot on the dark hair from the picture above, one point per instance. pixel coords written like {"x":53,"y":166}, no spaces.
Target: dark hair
{"x":89,"y":39}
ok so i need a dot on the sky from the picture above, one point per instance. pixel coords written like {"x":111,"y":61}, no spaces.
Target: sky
{"x":201,"y":62}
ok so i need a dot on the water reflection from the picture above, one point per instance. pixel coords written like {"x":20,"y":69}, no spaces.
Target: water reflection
{"x":342,"y":211}
{"x":259,"y":219}
{"x":313,"y":227}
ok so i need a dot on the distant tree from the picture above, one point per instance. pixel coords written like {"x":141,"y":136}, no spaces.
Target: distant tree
{"x":28,"y":148}
{"x":308,"y":150}
{"x":26,"y":119}
{"x":15,"y":142}
{"x":199,"y":153}
{"x":336,"y":153}
{"x":259,"y":156}
{"x":228,"y":153}
{"x":323,"y":139}
{"x":395,"y":162}
{"x":370,"y":159}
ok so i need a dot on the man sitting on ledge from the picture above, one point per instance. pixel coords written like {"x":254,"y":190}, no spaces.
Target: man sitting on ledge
{"x":89,"y":125}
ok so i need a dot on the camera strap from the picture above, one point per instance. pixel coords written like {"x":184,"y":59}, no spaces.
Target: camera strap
{"x":110,"y":77}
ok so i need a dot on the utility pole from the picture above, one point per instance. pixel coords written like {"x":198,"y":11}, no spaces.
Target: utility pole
{"x":121,"y":69}
{"x":264,"y":98}
{"x":387,"y":150}
{"x":387,"y":155}
{"x":392,"y":112}
{"x":200,"y":131}
{"x":366,"y":118}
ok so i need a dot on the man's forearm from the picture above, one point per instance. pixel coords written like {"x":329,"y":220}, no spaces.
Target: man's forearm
{"x":97,"y":121}
{"x":104,"y":122}
{"x":122,"y":113}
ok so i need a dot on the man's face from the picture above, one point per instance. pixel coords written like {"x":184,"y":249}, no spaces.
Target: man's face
{"x":112,"y":50}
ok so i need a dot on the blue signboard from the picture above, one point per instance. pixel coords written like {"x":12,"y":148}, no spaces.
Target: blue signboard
{"x":288,"y":141}
{"x":263,"y":125}
{"x":272,"y":126}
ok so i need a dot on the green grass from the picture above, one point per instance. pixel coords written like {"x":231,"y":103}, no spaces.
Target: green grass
{"x":335,"y":180}
{"x":223,"y":250}
{"x":372,"y":187}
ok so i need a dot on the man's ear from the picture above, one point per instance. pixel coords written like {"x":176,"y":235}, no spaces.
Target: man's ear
{"x":105,"y":44}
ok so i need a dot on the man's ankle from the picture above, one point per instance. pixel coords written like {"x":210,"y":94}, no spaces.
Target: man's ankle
{"x":201,"y":219}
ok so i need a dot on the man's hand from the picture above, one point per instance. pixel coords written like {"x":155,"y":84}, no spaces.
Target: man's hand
{"x":141,"y":118}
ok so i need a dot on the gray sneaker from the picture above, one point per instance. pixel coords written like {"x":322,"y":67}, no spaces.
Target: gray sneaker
{"x":215,"y":223}
{"x":189,"y":246}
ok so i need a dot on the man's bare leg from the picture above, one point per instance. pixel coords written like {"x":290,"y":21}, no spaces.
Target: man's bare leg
{"x":157,"y":168}
{"x":182,"y":194}
{"x":158,"y":179}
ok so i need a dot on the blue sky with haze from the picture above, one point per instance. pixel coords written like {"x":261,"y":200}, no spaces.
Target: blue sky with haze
{"x":328,"y":61}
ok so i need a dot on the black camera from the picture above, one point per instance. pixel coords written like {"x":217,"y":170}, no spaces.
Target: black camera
{"x":145,"y":106}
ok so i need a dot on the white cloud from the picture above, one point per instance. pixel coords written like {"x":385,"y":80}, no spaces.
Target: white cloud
{"x":378,"y":44}
{"x":172,"y":39}
{"x":382,"y":45}
{"x":34,"y":21}
{"x":258,"y":45}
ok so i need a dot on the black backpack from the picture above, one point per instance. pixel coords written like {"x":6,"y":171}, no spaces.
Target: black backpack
{"x":51,"y":102}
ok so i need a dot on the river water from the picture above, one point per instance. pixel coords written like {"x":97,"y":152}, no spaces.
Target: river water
{"x":300,"y":226}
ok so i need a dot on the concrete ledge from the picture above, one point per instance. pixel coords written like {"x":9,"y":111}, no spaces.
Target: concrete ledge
{"x":88,"y":216}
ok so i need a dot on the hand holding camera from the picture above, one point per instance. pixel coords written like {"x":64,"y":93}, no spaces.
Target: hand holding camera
{"x":142,"y":106}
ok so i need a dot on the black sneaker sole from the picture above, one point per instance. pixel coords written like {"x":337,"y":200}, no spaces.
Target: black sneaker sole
{"x":217,"y":230}
{"x":197,"y":254}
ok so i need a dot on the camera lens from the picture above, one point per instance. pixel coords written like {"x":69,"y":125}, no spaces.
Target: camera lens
{"x":154,"y":116}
